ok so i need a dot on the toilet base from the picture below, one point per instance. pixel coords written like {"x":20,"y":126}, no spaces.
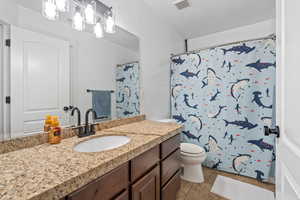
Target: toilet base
{"x":193,"y":173}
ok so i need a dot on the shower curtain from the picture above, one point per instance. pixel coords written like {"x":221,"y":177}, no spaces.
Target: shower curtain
{"x":224,"y":98}
{"x":128,"y":90}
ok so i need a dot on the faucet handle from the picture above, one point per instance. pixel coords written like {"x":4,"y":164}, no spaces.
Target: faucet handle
{"x":92,"y":129}
{"x":79,"y":130}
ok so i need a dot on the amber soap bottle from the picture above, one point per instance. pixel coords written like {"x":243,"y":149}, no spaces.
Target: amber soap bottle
{"x":54,"y":134}
{"x":48,"y":123}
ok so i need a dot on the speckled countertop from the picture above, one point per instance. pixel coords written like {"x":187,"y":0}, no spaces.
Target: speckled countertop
{"x":146,"y":127}
{"x":47,"y":172}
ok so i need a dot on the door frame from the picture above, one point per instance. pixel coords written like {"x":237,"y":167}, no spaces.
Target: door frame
{"x":4,"y":81}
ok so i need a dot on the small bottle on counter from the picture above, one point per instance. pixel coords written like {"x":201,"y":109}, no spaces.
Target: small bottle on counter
{"x":54,"y":134}
{"x":48,"y":123}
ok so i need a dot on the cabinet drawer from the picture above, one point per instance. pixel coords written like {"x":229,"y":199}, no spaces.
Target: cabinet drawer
{"x":105,"y":187}
{"x":123,"y":196}
{"x":170,"y":190}
{"x":169,"y":146}
{"x":169,"y":166}
{"x":144,"y":162}
{"x":148,"y":187}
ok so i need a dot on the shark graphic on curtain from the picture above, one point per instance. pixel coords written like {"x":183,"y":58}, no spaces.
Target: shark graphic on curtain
{"x":224,"y":98}
{"x":128,"y":90}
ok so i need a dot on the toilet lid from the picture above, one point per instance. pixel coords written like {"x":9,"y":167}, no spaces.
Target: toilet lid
{"x":189,"y":148}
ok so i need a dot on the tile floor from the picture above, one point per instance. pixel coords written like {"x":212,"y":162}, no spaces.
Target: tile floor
{"x":192,"y":191}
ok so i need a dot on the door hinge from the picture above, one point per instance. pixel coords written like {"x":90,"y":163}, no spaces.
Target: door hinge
{"x":7,"y":42}
{"x":269,"y":131}
{"x":7,"y":99}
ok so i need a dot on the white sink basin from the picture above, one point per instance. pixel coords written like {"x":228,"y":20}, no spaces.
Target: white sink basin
{"x":102,"y":143}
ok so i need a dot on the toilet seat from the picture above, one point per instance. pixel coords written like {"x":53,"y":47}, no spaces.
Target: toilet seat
{"x":191,"y":150}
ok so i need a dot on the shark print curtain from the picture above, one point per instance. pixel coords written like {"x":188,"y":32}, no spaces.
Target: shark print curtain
{"x":128,"y":90}
{"x":224,"y":98}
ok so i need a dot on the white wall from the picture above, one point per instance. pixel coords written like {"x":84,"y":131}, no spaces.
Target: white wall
{"x":8,"y":11}
{"x":157,"y":41}
{"x":260,"y":29}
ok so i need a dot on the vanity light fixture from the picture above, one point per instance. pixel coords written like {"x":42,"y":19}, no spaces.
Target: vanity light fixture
{"x":110,"y":22}
{"x":90,"y":12}
{"x":50,"y":9}
{"x":78,"y":20}
{"x":62,"y":5}
{"x":82,"y":13}
{"x":98,"y":30}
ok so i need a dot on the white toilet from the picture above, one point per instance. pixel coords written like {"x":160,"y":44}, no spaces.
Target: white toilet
{"x":192,"y":157}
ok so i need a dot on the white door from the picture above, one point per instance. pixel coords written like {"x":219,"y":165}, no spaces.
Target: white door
{"x":39,"y":80}
{"x":288,"y":100}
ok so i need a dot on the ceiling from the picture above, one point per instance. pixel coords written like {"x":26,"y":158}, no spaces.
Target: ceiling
{"x":210,"y":16}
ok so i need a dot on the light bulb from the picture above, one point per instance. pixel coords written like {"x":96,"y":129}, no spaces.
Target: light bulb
{"x":62,"y":5}
{"x":110,"y":25}
{"x":89,"y":13}
{"x":78,"y":22}
{"x":98,"y":30}
{"x":50,"y":10}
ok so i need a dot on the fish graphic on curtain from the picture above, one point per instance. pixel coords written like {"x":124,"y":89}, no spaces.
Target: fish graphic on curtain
{"x":127,"y":90}
{"x":224,"y":98}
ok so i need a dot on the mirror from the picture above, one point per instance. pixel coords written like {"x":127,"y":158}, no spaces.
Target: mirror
{"x":51,"y":68}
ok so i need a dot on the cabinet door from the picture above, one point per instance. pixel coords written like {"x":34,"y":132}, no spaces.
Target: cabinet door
{"x":148,"y":187}
{"x":170,"y":190}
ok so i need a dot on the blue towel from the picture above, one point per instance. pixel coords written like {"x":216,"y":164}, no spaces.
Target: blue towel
{"x":101,"y":101}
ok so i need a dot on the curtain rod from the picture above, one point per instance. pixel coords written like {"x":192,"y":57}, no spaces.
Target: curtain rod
{"x":272,"y":36}
{"x":119,"y":65}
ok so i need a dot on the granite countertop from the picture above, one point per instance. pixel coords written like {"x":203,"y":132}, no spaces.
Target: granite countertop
{"x":53,"y":171}
{"x":146,"y":127}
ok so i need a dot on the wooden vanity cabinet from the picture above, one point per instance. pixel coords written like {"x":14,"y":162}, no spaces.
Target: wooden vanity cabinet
{"x":153,"y":175}
{"x":148,"y":187}
{"x":106,"y":187}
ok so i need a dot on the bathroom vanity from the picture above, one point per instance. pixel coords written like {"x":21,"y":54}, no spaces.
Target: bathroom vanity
{"x":155,"y":174}
{"x":148,"y":167}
